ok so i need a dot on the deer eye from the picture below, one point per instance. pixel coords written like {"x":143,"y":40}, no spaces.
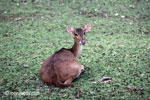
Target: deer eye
{"x":76,"y":34}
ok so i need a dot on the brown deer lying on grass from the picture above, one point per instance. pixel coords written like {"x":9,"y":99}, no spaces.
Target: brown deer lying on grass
{"x":61,"y":68}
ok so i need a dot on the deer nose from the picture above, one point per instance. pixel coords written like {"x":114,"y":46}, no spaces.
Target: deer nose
{"x":83,"y":42}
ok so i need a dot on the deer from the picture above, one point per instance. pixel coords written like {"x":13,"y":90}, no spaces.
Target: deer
{"x":62,"y":67}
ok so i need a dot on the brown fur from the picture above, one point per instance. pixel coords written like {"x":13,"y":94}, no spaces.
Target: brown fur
{"x":61,"y":68}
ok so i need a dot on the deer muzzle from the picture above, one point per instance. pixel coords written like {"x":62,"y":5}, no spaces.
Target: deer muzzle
{"x":83,"y":42}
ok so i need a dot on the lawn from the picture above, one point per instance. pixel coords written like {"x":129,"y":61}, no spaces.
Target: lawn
{"x":118,"y":46}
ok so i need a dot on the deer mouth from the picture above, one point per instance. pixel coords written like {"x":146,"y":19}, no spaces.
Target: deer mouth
{"x":83,"y":42}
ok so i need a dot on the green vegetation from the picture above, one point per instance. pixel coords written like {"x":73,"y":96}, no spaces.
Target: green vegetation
{"x":118,"y":46}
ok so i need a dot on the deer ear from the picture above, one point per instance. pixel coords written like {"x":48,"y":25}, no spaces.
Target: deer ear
{"x":70,"y":29}
{"x":87,"y":27}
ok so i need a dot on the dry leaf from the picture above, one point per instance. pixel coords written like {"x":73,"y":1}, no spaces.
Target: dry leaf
{"x":105,"y":79}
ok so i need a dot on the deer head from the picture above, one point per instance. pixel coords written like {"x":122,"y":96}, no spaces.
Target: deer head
{"x":79,"y":33}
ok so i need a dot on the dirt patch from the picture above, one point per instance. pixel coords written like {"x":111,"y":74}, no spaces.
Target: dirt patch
{"x":21,"y":16}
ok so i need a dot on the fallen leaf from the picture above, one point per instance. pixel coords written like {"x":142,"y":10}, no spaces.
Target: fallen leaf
{"x":105,"y":79}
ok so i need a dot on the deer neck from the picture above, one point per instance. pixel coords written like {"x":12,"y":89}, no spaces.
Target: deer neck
{"x":76,"y":49}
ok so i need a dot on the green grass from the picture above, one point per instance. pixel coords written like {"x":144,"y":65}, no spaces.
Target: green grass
{"x":118,"y":46}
